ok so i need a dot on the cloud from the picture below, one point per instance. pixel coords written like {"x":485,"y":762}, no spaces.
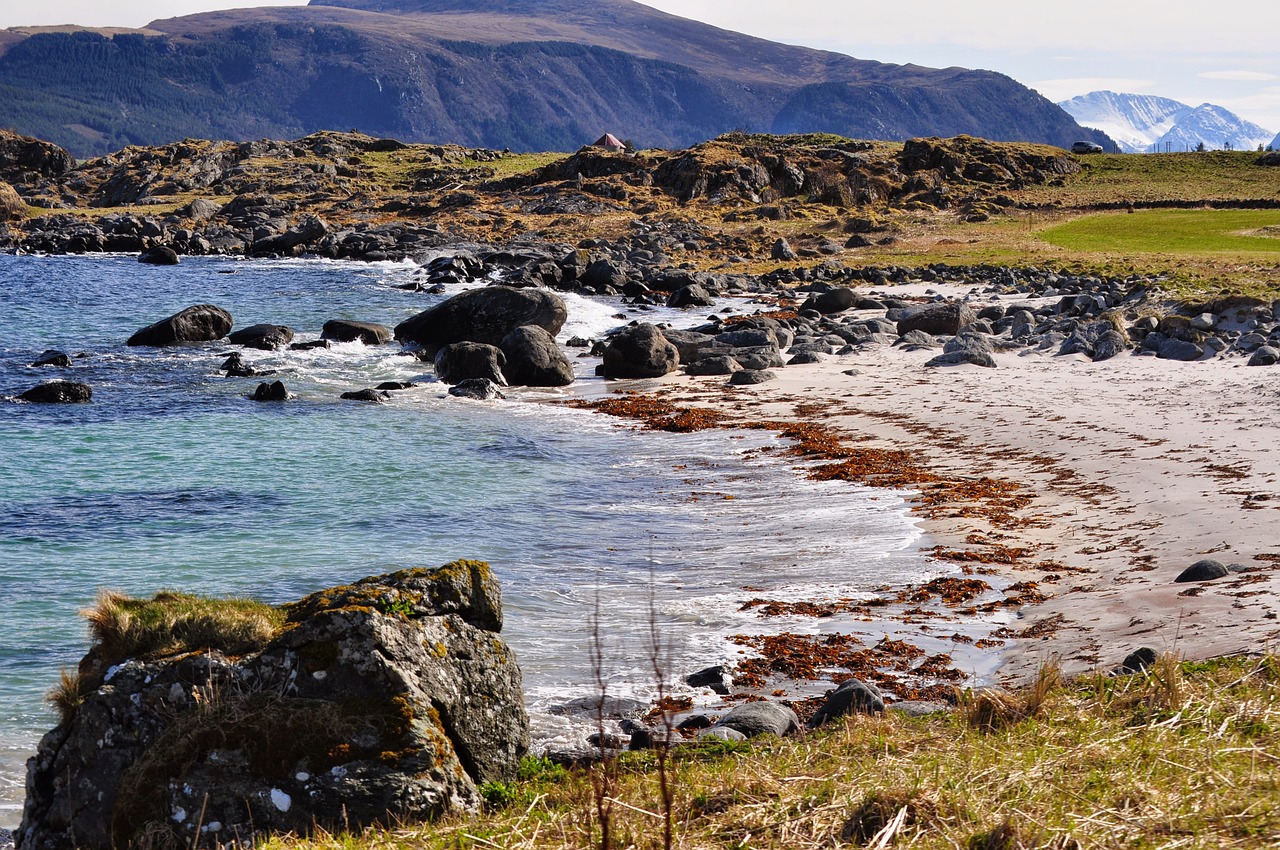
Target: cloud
{"x":1064,"y":89}
{"x":1240,"y":76}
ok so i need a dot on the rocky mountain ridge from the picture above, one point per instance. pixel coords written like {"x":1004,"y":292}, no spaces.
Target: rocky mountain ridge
{"x":545,"y":75}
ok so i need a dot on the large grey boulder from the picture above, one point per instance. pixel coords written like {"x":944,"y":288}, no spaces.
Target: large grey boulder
{"x":463,"y":361}
{"x":965,"y":348}
{"x":347,"y":330}
{"x":484,"y":315}
{"x":1179,"y":349}
{"x":200,"y":323}
{"x":760,"y":718}
{"x":1206,"y":569}
{"x":1265,"y":356}
{"x":262,"y":336}
{"x":947,"y":318}
{"x":853,"y":696}
{"x":386,"y":701}
{"x":534,"y":359}
{"x":639,"y":352}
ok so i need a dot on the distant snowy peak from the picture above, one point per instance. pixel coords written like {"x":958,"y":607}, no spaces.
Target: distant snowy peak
{"x":1142,"y":123}
{"x":1275,"y":143}
{"x":1135,"y":121}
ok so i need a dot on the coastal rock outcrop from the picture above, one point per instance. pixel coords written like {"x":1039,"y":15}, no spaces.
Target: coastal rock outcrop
{"x":58,"y":392}
{"x":639,"y":352}
{"x":534,"y":359}
{"x":262,"y":336}
{"x":463,"y":361}
{"x":484,"y":315}
{"x":12,"y":207}
{"x":386,"y":701}
{"x":201,"y":323}
{"x":346,"y":330}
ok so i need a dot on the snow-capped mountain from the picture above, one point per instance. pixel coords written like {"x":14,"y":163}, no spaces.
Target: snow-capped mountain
{"x":1143,"y":123}
{"x":1135,"y":121}
{"x":1275,"y":143}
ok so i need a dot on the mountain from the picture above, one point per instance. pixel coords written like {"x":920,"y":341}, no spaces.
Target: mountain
{"x":525,"y":74}
{"x":1275,"y":143}
{"x":1142,"y":123}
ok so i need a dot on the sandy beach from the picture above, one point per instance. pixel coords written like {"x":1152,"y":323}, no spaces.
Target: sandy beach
{"x":1138,"y":467}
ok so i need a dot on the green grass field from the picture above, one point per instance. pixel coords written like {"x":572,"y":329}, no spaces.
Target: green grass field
{"x":1240,"y":232}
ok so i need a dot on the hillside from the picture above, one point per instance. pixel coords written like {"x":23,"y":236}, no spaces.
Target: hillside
{"x":530,"y":75}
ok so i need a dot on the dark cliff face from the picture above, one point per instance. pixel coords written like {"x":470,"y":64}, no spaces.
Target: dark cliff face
{"x":530,"y":75}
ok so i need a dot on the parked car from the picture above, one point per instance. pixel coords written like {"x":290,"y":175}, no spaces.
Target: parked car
{"x":1085,"y":147}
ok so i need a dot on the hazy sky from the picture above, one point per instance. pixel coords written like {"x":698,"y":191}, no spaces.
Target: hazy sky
{"x":1181,"y":49}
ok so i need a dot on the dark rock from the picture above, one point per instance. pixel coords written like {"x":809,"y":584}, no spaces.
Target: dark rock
{"x":345,"y":330}
{"x":371,"y":396}
{"x":947,"y":318}
{"x":760,"y":718}
{"x":263,"y":337}
{"x":12,"y":207}
{"x":310,"y":229}
{"x":387,"y":701}
{"x":721,"y":364}
{"x":803,"y":357}
{"x":395,"y":385}
{"x":693,"y":295}
{"x":595,"y":705}
{"x":274,"y":391}
{"x":832,"y":301}
{"x":1206,"y":569}
{"x":201,"y":323}
{"x":1179,"y":349}
{"x":461,"y":361}
{"x":782,"y":251}
{"x":480,"y":389}
{"x":852,"y":696}
{"x":1137,"y":661}
{"x":53,"y":358}
{"x":484,"y":315}
{"x":1110,"y":344}
{"x":312,"y":345}
{"x":748,"y":377}
{"x":689,"y":343}
{"x":717,"y":678}
{"x":235,"y":367}
{"x":639,"y":352}
{"x":160,"y":255}
{"x":966,"y":348}
{"x":201,"y":209}
{"x":916,"y":341}
{"x":1265,"y":356}
{"x":58,"y":392}
{"x":533,"y":359}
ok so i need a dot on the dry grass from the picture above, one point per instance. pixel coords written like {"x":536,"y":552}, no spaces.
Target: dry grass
{"x":68,"y":695}
{"x":170,"y":622}
{"x":1185,"y":755}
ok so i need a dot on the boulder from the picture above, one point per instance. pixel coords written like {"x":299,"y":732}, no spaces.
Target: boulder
{"x":721,"y":364}
{"x":462,"y":361}
{"x":1179,"y":349}
{"x":748,"y":377}
{"x":688,"y":343}
{"x":760,"y":718}
{"x":966,"y":348}
{"x":484,"y":315}
{"x":639,"y":352}
{"x":1265,"y":356}
{"x":310,"y":229}
{"x":159,"y":255}
{"x":1137,"y":661}
{"x":235,"y":367}
{"x":480,"y":389}
{"x":273,"y":391}
{"x":12,"y":207}
{"x":832,"y":301}
{"x":534,"y":359}
{"x":369,"y":395}
{"x":201,"y":323}
{"x":345,"y":330}
{"x":717,"y":678}
{"x":379,"y":703}
{"x":1206,"y":569}
{"x":693,"y":295}
{"x":852,"y":696}
{"x":58,"y":392}
{"x":782,"y":250}
{"x":948,"y":318}
{"x":53,"y":358}
{"x":263,"y":337}
{"x":22,"y":156}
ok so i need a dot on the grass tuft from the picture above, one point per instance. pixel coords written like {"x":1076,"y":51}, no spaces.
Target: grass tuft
{"x":68,"y":695}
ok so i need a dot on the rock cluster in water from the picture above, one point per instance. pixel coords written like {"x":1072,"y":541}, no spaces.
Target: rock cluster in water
{"x":388,"y":700}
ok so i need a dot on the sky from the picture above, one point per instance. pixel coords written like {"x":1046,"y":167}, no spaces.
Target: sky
{"x":1182,"y":49}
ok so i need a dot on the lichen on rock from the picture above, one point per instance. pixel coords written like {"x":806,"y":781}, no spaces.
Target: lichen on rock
{"x":388,"y":700}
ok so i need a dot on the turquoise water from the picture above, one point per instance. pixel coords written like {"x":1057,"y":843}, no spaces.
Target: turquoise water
{"x":172,"y":478}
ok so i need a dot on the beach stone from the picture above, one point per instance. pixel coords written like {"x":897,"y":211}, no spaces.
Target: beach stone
{"x":721,"y":364}
{"x":1110,"y":344}
{"x":461,"y":361}
{"x":721,"y":733}
{"x":263,"y":337}
{"x":639,"y":352}
{"x":689,"y":344}
{"x":368,"y":395}
{"x":395,"y":385}
{"x":534,"y":359}
{"x":200,"y":323}
{"x":920,"y":708}
{"x":345,"y":330}
{"x":760,"y":718}
{"x":1173,"y":348}
{"x":387,"y":701}
{"x":58,"y":392}
{"x":852,"y":696}
{"x":916,"y":341}
{"x":966,"y":348}
{"x":486,"y":315}
{"x":1206,"y":569}
{"x":750,"y":338}
{"x":595,"y":705}
{"x":160,"y":255}
{"x":945,"y":319}
{"x":480,"y":389}
{"x":1265,"y":356}
{"x":273,"y":391}
{"x":693,"y":295}
{"x":803,"y":357}
{"x":717,"y":678}
{"x":52,"y":358}
{"x":782,"y":250}
{"x":1137,"y":661}
{"x":832,"y":301}
{"x":749,"y":377}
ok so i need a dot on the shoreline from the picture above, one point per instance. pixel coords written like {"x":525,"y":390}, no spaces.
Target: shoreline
{"x":1139,"y":467}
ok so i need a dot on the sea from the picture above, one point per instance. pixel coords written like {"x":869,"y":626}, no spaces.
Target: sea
{"x":172,"y":478}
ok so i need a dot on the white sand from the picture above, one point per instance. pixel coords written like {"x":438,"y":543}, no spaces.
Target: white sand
{"x":1140,"y":466}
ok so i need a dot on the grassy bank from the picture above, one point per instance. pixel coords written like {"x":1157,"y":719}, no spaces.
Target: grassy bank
{"x":1185,"y":755}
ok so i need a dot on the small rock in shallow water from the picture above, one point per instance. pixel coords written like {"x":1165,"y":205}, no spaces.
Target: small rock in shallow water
{"x":58,"y":392}
{"x":54,"y":358}
{"x":274,"y":391}
{"x":481,"y":389}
